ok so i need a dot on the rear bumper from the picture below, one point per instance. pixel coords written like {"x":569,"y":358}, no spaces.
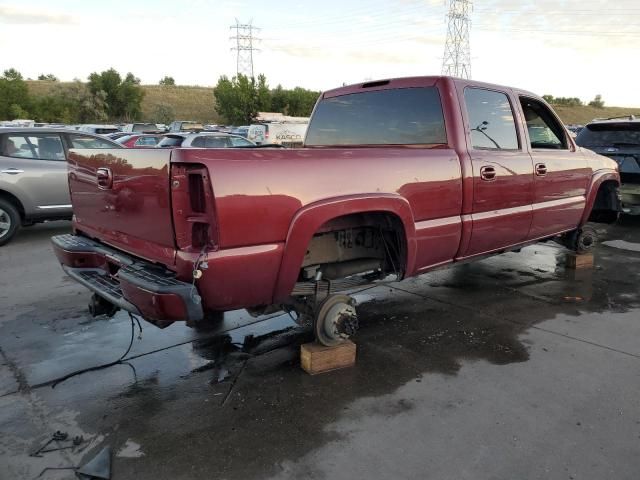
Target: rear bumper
{"x":134,"y":285}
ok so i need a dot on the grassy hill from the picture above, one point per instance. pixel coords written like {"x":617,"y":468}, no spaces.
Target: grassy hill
{"x":188,"y":103}
{"x":197,"y":103}
{"x":583,"y":115}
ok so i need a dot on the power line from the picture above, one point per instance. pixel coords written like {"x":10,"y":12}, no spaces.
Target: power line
{"x":244,"y":47}
{"x":457,"y":52}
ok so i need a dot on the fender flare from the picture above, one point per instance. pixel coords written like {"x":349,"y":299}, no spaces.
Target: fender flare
{"x":597,"y":179}
{"x":309,"y":219}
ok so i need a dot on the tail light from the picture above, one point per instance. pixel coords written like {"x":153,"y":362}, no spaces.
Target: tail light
{"x":193,"y":207}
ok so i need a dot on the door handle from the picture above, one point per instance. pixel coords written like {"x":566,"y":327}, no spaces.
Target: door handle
{"x":12,"y":171}
{"x":488,"y":173}
{"x":541,"y":169}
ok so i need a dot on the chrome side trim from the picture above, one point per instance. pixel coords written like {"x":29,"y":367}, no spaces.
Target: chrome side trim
{"x":557,"y":203}
{"x":47,"y":207}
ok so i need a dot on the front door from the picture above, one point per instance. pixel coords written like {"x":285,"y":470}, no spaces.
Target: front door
{"x":561,"y":172}
{"x":502,"y":172}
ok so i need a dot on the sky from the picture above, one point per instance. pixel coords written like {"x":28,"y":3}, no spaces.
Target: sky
{"x":573,"y":48}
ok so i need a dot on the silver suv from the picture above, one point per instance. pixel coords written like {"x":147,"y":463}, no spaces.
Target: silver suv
{"x":33,"y":175}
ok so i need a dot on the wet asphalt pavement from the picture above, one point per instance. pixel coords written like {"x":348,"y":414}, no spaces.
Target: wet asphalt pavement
{"x":509,"y":368}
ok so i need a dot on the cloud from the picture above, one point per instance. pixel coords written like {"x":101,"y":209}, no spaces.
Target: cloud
{"x":17,"y":16}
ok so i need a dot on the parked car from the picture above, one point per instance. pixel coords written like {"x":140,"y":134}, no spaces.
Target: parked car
{"x":396,"y":178}
{"x":33,"y":175}
{"x":140,"y":141}
{"x":117,"y":135}
{"x":241,"y":131}
{"x":287,"y":134}
{"x":618,"y":138}
{"x":99,"y":129}
{"x":185,"y":126}
{"x":140,"y":128}
{"x":203,"y":140}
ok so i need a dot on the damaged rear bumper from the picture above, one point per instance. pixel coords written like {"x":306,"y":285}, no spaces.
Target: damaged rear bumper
{"x":132,"y":284}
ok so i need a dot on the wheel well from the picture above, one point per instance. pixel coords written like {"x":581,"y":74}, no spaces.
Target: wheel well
{"x":606,"y":207}
{"x":368,"y":242}
{"x":14,"y":201}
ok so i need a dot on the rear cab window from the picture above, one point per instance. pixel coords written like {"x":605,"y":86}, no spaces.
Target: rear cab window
{"x":491,"y":124}
{"x":401,"y":116}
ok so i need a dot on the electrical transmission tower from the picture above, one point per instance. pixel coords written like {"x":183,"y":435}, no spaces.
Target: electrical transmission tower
{"x":244,"y":46}
{"x":457,"y":53}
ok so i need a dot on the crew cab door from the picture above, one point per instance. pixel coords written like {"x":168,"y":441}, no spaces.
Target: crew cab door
{"x":561,"y":173}
{"x":502,"y":172}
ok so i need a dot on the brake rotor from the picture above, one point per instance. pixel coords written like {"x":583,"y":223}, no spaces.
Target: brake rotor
{"x":336,"y":320}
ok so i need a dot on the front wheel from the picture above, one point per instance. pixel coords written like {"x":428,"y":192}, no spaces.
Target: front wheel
{"x":9,"y":221}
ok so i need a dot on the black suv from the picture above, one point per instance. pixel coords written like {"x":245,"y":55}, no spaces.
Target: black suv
{"x":619,"y":139}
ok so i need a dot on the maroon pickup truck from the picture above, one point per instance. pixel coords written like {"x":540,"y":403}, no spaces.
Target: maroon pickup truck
{"x":396,"y":177}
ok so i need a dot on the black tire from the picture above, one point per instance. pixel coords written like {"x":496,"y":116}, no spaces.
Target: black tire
{"x":9,"y":221}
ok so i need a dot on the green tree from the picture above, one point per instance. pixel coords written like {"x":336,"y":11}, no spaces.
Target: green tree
{"x":49,"y":77}
{"x":240,"y":99}
{"x":298,"y":102}
{"x":167,"y":81}
{"x":123,"y":97}
{"x":597,"y":102}
{"x":162,"y":113}
{"x":14,"y":96}
{"x":13,"y":74}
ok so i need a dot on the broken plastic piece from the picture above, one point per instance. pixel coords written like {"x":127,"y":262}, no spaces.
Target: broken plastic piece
{"x":98,"y":467}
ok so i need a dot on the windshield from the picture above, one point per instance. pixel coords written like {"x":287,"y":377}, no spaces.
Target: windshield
{"x":144,"y":127}
{"x":407,"y":116}
{"x":171,"y":141}
{"x":610,"y":135}
{"x":102,"y":131}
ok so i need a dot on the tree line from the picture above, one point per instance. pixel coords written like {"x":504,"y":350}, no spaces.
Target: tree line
{"x":105,"y":96}
{"x":597,"y":102}
{"x":110,"y":96}
{"x":239,"y":99}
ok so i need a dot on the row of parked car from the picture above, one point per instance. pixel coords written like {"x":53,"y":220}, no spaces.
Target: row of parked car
{"x":33,"y":169}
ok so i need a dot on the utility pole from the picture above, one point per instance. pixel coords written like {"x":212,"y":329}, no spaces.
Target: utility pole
{"x":457,"y":53}
{"x":244,"y":47}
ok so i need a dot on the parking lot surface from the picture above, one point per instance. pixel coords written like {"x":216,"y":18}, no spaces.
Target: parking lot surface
{"x":512,"y":367}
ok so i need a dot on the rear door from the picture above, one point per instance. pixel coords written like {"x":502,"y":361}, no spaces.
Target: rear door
{"x":561,"y":172}
{"x":35,"y":165}
{"x":502,"y":171}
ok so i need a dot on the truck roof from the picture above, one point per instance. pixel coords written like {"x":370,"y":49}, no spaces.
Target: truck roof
{"x":408,"y":82}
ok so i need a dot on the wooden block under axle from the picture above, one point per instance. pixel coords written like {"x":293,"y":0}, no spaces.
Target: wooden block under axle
{"x":583,"y":260}
{"x":316,"y":358}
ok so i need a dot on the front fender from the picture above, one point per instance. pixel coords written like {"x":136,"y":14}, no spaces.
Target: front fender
{"x":309,"y":219}
{"x":597,"y":179}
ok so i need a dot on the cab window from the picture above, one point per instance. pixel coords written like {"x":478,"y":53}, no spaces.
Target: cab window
{"x":491,"y":121}
{"x":40,"y":147}
{"x":544,"y":129}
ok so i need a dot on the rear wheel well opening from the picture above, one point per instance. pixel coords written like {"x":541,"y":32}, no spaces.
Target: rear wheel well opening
{"x":606,"y":207}
{"x":371,"y":245}
{"x":14,"y":201}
